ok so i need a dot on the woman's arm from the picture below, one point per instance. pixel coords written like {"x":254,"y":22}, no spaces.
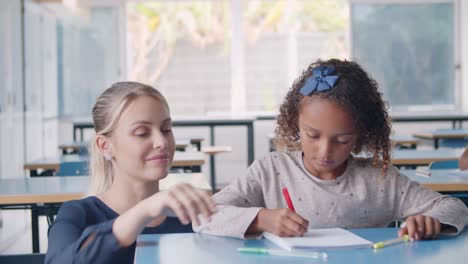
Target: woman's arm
{"x":69,"y":238}
{"x":71,"y":241}
{"x":185,"y":201}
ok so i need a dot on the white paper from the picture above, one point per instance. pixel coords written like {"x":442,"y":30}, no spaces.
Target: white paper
{"x":326,"y":238}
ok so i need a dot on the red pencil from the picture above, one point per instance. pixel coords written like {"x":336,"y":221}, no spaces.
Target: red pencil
{"x":288,"y":198}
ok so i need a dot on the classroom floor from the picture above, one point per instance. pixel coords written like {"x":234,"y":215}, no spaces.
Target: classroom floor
{"x":15,"y":232}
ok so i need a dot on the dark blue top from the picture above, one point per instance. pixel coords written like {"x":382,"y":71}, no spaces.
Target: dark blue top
{"x":78,"y":219}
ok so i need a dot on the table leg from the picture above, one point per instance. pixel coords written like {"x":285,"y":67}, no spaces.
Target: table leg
{"x":250,"y":143}
{"x":35,"y":229}
{"x":212,"y":162}
{"x":74,"y":133}
{"x":213,"y":176}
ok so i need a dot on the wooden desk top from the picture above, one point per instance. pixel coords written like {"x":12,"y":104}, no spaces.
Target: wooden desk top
{"x":181,"y":159}
{"x":420,"y":157}
{"x":404,"y":139}
{"x":62,"y":189}
{"x":442,"y":133}
{"x":53,"y":163}
{"x":423,"y":157}
{"x":441,"y":180}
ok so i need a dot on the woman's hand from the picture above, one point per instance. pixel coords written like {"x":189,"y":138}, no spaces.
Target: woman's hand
{"x":420,"y":227}
{"x":183,"y":200}
{"x":282,"y":222}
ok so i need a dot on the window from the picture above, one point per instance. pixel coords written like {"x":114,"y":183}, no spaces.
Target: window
{"x":409,"y":49}
{"x":88,"y":58}
{"x":181,"y":48}
{"x":230,"y":56}
{"x":283,"y":38}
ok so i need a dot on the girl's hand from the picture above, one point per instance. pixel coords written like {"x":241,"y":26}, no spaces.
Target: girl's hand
{"x":282,"y":222}
{"x":420,"y":227}
{"x":185,"y":201}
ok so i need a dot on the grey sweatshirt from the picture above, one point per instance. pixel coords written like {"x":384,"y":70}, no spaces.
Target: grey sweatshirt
{"x":359,"y":198}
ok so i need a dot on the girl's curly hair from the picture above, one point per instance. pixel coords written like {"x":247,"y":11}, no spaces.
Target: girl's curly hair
{"x":358,"y":93}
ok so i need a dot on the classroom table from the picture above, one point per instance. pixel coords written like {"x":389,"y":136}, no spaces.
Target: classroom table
{"x":404,"y":140}
{"x":409,"y":157}
{"x":73,"y":147}
{"x":207,"y":249}
{"x":191,"y":160}
{"x":438,"y":134}
{"x":52,"y":163}
{"x":197,"y":142}
{"x":210,"y":122}
{"x":413,"y":157}
{"x":43,"y":195}
{"x":440,"y":180}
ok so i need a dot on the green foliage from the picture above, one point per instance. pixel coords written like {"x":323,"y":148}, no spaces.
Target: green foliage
{"x":323,"y":15}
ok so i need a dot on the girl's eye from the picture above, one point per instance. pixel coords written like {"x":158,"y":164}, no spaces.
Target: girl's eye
{"x":166,"y":129}
{"x":312,"y":136}
{"x":342,"y":141}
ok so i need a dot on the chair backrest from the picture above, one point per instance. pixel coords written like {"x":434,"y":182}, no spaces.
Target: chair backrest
{"x":453,"y":142}
{"x":36,"y":258}
{"x":83,"y":151}
{"x":443,"y":165}
{"x":75,"y":168}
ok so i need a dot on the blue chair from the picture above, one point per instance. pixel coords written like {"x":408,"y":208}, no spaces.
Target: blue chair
{"x":453,"y":142}
{"x":444,"y":165}
{"x":75,"y":168}
{"x":36,"y":258}
{"x":72,"y":168}
{"x":83,"y":151}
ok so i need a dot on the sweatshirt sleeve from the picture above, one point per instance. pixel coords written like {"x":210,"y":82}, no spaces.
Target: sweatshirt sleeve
{"x":69,"y":232}
{"x":414,"y":199}
{"x":238,"y":204}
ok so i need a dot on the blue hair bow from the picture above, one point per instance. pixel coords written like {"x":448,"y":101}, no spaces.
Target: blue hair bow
{"x":320,"y":81}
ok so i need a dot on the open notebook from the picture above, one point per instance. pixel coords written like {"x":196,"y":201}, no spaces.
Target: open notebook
{"x":327,"y":238}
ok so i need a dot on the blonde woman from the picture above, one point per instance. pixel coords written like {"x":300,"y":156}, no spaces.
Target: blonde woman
{"x":132,"y":150}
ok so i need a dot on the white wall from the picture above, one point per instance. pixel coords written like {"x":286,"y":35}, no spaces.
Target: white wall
{"x":11,"y":91}
{"x":464,"y":53}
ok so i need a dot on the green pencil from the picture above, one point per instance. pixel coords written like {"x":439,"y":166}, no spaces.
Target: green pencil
{"x":284,"y":253}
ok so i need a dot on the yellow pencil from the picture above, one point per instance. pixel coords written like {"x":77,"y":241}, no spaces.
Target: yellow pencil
{"x":382,"y":244}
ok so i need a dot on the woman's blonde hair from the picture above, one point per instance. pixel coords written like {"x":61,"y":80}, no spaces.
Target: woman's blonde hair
{"x":106,"y":113}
